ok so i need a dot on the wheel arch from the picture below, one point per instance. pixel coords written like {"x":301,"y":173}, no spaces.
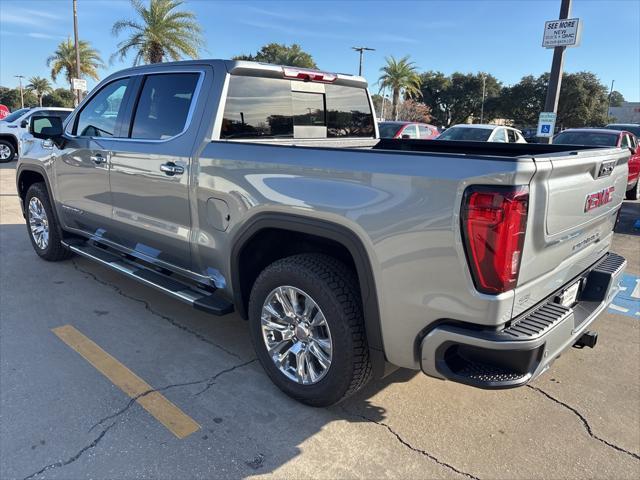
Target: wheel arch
{"x":325,"y":231}
{"x":12,"y":139}
{"x":26,"y":176}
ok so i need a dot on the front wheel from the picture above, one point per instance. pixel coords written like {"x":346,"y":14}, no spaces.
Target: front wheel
{"x":7,"y":151}
{"x":41,"y":223}
{"x":307,"y":328}
{"x":634,"y":193}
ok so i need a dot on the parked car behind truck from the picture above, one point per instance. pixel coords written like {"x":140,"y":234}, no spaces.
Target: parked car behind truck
{"x":241,"y":186}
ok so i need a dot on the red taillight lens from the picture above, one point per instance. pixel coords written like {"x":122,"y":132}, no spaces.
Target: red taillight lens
{"x":309,"y":75}
{"x":494,"y":221}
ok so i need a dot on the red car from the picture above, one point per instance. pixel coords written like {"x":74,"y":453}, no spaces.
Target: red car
{"x":608,"y":138}
{"x":423,"y":131}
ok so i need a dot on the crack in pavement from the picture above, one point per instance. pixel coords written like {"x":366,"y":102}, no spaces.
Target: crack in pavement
{"x":97,"y":440}
{"x":585,"y":423}
{"x":411,"y":447}
{"x":147,"y":306}
{"x":210,"y":381}
{"x":62,"y":463}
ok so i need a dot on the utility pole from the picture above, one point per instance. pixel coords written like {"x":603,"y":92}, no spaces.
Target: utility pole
{"x":609,"y":100}
{"x":484,"y":92}
{"x":20,"y":77}
{"x":555,"y":78}
{"x":75,"y":33}
{"x":361,"y":50}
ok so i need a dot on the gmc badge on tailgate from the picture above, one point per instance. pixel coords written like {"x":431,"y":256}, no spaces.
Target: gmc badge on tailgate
{"x":599,"y":198}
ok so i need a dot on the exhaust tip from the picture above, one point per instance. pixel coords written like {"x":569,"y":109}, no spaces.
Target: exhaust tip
{"x":587,"y":339}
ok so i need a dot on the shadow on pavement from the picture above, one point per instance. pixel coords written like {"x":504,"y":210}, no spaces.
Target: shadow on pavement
{"x":629,"y":216}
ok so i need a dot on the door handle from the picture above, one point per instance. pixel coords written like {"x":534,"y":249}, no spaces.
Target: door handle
{"x":98,"y":159}
{"x":171,"y":169}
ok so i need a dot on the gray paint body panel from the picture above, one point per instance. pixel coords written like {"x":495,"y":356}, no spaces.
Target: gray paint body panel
{"x":402,"y":206}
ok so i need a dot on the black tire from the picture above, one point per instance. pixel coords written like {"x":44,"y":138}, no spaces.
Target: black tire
{"x":54,"y":251}
{"x":334,"y":288}
{"x":634,"y":193}
{"x":4,"y":144}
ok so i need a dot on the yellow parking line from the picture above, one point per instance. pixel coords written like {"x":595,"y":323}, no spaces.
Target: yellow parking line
{"x":180,"y":424}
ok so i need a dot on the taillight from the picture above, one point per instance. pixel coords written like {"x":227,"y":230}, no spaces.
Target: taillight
{"x":309,"y":75}
{"x":494,"y":221}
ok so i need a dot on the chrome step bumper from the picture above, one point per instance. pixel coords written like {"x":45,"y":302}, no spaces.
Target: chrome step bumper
{"x":525,"y":347}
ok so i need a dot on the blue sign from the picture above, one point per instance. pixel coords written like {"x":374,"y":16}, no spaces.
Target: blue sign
{"x":627,"y":301}
{"x":545,"y":128}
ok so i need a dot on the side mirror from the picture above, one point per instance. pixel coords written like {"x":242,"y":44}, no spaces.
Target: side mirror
{"x":47,"y":128}
{"x":24,"y":124}
{"x":404,"y":135}
{"x":633,"y":150}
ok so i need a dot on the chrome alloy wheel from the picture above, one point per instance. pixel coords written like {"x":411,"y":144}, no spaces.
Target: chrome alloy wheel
{"x":38,"y":223}
{"x":5,"y":152}
{"x":296,"y":335}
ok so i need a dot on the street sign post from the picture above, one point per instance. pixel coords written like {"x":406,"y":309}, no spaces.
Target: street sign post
{"x":546,"y":124}
{"x":79,"y":84}
{"x":562,"y":33}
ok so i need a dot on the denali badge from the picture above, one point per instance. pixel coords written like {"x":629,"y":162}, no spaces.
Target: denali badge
{"x":597,"y":199}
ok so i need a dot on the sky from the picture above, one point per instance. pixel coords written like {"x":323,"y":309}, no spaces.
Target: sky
{"x":501,"y":37}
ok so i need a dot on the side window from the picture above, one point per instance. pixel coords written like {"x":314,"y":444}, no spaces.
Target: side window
{"x":499,"y":136}
{"x":99,"y":117}
{"x":624,"y":143}
{"x":513,"y":138}
{"x":409,"y":131}
{"x":424,"y":131}
{"x":163,"y":105}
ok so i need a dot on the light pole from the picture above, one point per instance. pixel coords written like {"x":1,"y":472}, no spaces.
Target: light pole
{"x":361,"y":50}
{"x":75,"y":34}
{"x":609,"y":100}
{"x":20,"y":77}
{"x":484,"y":91}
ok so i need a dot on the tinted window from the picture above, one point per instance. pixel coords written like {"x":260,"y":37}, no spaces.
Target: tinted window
{"x":388,"y":130}
{"x":15,"y":115}
{"x":163,"y":105}
{"x":45,"y":126}
{"x":625,"y":142}
{"x":98,"y":118}
{"x":513,"y":138}
{"x":466,"y":133}
{"x":635,"y":129}
{"x":266,"y":107}
{"x":348,"y":112}
{"x":586,"y":138}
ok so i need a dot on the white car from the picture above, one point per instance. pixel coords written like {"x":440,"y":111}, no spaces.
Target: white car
{"x":483,"y":133}
{"x":14,"y":127}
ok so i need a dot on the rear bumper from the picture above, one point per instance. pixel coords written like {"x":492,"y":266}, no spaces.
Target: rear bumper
{"x":526,"y":346}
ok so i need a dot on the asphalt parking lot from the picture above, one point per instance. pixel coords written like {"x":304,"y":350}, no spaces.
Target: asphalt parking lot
{"x":205,"y":409}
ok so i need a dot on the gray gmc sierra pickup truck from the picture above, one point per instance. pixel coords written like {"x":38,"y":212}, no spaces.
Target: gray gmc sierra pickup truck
{"x":264,"y":189}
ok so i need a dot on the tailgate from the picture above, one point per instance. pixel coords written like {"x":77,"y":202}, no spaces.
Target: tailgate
{"x":573,"y":205}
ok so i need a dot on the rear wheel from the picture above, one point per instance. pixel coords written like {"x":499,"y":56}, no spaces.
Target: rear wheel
{"x":307,"y":328}
{"x":41,"y":223}
{"x":7,"y":151}
{"x":634,"y":193}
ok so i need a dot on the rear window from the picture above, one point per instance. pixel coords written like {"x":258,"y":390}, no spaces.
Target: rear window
{"x":388,"y":130}
{"x":466,"y":133}
{"x":259,"y":107}
{"x":586,"y":138}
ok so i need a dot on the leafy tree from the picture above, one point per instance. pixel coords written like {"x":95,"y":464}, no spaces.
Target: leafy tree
{"x":402,"y":78}
{"x":64,"y":60}
{"x":583,"y":101}
{"x":616,"y":99}
{"x":434,"y":87}
{"x":281,"y":54}
{"x":524,"y":101}
{"x":60,"y":97}
{"x":11,"y":98}
{"x":413,"y":111}
{"x":162,"y":31}
{"x":40,"y":86}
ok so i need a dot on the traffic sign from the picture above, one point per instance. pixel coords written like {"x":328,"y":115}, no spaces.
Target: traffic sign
{"x":546,"y":124}
{"x":4,"y":111}
{"x":79,"y":84}
{"x":562,"y":33}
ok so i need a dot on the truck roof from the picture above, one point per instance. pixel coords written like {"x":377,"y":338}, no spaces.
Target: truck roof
{"x":243,"y":67}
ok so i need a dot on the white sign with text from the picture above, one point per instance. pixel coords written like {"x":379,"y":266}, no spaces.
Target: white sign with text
{"x":562,"y":33}
{"x":79,"y":84}
{"x":546,"y":124}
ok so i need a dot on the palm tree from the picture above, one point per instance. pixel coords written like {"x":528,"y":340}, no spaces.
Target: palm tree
{"x":401,"y":76}
{"x":64,"y":60}
{"x":40,"y":86}
{"x":162,"y":32}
